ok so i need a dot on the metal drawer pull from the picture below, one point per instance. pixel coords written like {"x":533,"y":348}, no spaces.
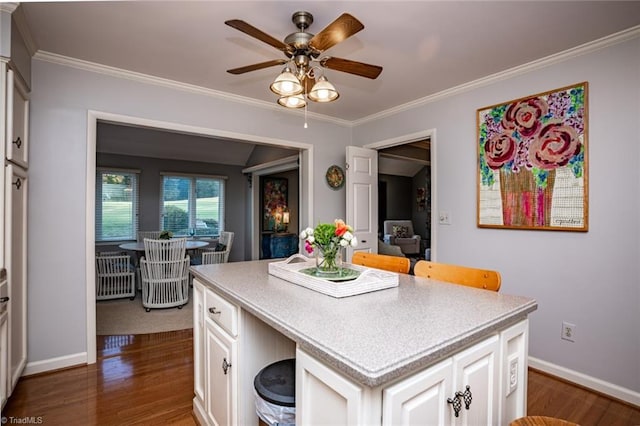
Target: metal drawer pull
{"x":17,"y":183}
{"x":213,"y":311}
{"x":4,"y":299}
{"x":457,"y":405}
{"x":225,"y":366}
{"x":456,"y":401}
{"x":18,"y":142}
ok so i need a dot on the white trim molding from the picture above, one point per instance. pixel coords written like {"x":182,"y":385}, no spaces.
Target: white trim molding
{"x":177,"y":85}
{"x":592,"y":46}
{"x":51,"y":364}
{"x":610,"y":389}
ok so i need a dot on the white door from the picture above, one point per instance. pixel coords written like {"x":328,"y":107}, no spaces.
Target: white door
{"x":362,"y":197}
{"x":198,"y":341}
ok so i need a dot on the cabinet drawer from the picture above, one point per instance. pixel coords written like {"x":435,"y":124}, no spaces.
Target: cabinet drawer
{"x":223,"y":313}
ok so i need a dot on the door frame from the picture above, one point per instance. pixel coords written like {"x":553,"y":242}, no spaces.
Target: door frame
{"x":414,"y":137}
{"x":93,"y":116}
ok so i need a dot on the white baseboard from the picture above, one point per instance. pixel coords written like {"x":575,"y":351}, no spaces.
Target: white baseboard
{"x":615,"y":391}
{"x":55,"y":363}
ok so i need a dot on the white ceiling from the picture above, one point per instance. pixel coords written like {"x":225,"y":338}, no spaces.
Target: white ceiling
{"x":424,"y":47}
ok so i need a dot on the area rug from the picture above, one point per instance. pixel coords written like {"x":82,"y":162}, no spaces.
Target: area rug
{"x":124,"y":316}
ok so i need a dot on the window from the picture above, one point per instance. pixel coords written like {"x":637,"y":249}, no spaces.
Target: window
{"x":116,"y":205}
{"x":192,"y":205}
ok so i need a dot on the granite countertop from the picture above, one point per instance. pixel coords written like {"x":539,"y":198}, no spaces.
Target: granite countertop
{"x":373,"y":337}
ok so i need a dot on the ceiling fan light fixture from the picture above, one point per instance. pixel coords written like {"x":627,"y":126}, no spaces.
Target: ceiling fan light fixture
{"x":294,"y":101}
{"x":323,"y":91}
{"x":286,"y":84}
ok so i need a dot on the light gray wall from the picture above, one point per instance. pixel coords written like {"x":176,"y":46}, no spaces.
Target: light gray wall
{"x":590,"y":279}
{"x":236,"y":188}
{"x":60,"y":99}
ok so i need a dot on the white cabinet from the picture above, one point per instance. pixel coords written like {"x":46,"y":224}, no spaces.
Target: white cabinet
{"x":230,"y":347}
{"x":461,"y":390}
{"x":469,"y":388}
{"x":326,"y":397}
{"x":17,"y":140}
{"x":198,"y":342}
{"x":420,"y":399}
{"x":221,"y":378}
{"x":215,"y":358}
{"x":16,"y":186}
{"x":4,"y":340}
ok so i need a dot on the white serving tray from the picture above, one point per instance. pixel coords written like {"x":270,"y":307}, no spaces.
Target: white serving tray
{"x":369,"y":279}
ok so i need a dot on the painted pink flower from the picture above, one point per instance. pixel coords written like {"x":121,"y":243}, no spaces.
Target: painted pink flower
{"x":555,"y":146}
{"x":525,"y":116}
{"x":500,"y":149}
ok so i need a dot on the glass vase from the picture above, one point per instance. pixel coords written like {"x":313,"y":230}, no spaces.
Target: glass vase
{"x":328,"y":261}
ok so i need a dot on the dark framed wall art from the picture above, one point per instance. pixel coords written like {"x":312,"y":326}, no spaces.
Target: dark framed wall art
{"x":274,"y":200}
{"x":532,"y":162}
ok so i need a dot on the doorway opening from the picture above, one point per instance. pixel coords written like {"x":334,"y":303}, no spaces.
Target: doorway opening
{"x":306,"y":204}
{"x":406,"y":186}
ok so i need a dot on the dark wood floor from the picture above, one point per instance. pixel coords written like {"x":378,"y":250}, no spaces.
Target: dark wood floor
{"x":148,"y":380}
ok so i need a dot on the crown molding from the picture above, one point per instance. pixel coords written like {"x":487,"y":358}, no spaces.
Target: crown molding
{"x":8,"y":7}
{"x":583,"y":49}
{"x":173,"y":84}
{"x":25,"y":31}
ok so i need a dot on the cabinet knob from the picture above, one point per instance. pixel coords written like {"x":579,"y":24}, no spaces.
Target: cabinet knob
{"x":18,"y":142}
{"x":225,"y":366}
{"x":213,"y":311}
{"x":17,"y":183}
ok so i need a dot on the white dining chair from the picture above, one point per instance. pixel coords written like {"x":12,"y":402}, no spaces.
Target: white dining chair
{"x":115,"y":276}
{"x":211,"y":255}
{"x":164,"y":271}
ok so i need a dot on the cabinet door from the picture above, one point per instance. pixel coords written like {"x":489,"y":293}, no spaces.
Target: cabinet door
{"x":325,"y":397}
{"x":198,"y":341}
{"x":17,"y":121}
{"x":420,"y":399}
{"x":221,"y":376}
{"x":4,"y":352}
{"x":15,"y":261}
{"x":476,"y":373}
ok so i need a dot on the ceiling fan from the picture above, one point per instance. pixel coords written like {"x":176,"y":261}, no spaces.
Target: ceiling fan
{"x":302,"y":50}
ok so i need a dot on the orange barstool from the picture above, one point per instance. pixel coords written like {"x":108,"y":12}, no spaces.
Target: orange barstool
{"x":541,"y":421}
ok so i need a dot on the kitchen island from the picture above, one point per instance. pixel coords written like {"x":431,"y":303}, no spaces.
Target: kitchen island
{"x":374,"y":358}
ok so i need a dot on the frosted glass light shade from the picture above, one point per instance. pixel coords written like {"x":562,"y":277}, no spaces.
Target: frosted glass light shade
{"x":323,"y":91}
{"x":286,"y":84}
{"x":296,"y":101}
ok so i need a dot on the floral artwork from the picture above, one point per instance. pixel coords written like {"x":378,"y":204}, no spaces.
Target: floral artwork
{"x":532,"y":162}
{"x":275,"y":193}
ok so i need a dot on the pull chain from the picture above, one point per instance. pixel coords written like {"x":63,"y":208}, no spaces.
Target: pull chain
{"x":306,"y":103}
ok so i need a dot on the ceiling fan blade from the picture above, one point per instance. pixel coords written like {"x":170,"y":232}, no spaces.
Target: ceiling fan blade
{"x":340,"y":29}
{"x":256,"y":33}
{"x":352,"y":67}
{"x":254,"y":67}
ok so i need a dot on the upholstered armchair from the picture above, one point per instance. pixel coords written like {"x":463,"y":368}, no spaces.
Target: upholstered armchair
{"x":400,"y":233}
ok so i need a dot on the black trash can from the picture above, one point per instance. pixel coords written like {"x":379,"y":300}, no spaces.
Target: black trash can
{"x":275,"y":392}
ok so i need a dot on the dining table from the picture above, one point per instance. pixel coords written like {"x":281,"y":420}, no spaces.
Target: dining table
{"x":138,"y":247}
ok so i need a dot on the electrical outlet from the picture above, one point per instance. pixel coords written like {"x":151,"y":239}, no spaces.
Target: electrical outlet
{"x":568,"y":331}
{"x":444,"y":218}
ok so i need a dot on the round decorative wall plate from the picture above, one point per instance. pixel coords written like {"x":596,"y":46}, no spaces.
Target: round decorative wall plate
{"x":335,"y":177}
